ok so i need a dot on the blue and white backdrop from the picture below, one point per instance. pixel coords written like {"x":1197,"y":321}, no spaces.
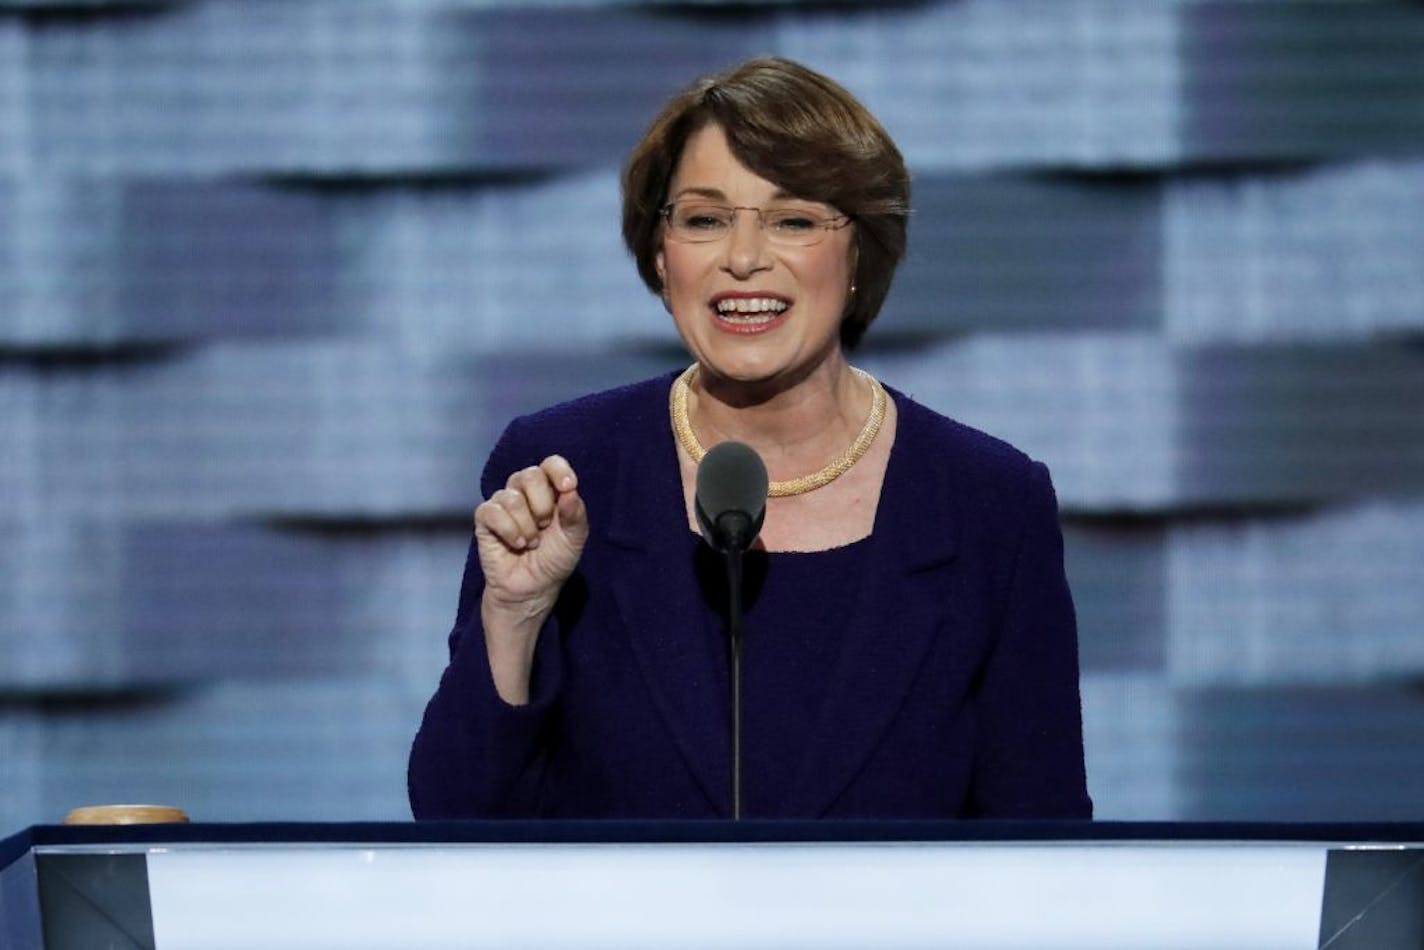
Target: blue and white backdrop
{"x":274,"y":273}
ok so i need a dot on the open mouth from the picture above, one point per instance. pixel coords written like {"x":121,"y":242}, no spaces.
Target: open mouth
{"x":750,"y":314}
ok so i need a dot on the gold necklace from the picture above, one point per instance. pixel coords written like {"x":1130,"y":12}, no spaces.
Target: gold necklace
{"x":682,"y":428}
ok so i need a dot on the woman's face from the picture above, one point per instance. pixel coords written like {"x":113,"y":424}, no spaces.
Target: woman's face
{"x":748,"y":309}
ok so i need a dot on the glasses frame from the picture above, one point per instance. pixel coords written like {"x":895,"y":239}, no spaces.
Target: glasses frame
{"x":823,"y":225}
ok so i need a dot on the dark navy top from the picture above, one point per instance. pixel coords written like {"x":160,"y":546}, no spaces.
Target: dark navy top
{"x":929,"y":671}
{"x":794,"y":609}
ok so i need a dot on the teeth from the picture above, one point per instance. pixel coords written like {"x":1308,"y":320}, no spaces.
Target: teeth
{"x":750,"y":305}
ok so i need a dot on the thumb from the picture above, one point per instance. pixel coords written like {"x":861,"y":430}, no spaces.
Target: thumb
{"x":573,"y":514}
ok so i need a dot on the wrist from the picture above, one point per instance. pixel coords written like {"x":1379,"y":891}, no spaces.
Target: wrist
{"x":511,"y":634}
{"x":526,"y":614}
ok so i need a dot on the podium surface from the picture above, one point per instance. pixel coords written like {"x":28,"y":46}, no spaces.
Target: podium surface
{"x":713,"y":884}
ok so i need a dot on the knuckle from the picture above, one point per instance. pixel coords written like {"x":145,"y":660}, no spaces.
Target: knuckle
{"x":509,"y":499}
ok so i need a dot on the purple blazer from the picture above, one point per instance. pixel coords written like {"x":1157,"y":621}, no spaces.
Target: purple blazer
{"x":955,"y":693}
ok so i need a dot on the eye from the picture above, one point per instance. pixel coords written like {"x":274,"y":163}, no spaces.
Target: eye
{"x":702,"y":218}
{"x":789,"y":221}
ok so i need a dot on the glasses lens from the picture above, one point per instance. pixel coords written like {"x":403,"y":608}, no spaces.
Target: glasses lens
{"x":793,"y":225}
{"x":700,"y":222}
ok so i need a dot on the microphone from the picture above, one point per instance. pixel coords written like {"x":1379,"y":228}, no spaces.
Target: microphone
{"x":731,"y":496}
{"x":731,"y":505}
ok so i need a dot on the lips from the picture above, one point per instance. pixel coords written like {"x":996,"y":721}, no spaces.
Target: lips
{"x":749,"y":312}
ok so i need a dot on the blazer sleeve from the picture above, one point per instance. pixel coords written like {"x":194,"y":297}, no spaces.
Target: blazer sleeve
{"x":476,"y":756}
{"x":1029,"y":753}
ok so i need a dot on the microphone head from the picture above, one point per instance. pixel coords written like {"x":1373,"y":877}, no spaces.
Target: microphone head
{"x":731,"y":495}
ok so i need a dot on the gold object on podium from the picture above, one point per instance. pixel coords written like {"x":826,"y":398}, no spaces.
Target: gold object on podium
{"x":125,"y":815}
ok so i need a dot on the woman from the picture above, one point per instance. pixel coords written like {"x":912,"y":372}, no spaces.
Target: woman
{"x":909,"y":641}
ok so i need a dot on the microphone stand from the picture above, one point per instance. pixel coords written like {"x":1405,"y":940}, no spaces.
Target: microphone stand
{"x":734,"y":636}
{"x":737,"y":531}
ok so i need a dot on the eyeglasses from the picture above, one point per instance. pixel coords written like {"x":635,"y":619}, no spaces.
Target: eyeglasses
{"x":700,"y":222}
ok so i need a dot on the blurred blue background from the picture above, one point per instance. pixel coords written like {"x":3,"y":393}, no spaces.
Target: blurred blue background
{"x":275,"y":273}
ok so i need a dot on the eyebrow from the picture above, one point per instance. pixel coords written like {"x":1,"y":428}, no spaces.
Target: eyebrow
{"x":717,"y":194}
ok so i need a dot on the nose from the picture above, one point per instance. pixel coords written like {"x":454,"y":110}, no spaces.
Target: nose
{"x":746,"y":247}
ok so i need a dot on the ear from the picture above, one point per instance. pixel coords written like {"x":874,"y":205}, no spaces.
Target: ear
{"x":854,"y":268}
{"x":660,"y":263}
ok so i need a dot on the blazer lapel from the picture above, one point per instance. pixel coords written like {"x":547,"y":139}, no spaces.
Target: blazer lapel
{"x":898,"y":612}
{"x":661,"y":605}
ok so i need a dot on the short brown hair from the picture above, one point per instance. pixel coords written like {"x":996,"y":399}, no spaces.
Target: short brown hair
{"x":799,"y":130}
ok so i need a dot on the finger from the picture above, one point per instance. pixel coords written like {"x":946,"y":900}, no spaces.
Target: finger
{"x":560,"y":473}
{"x":573,"y":513}
{"x":538,"y":493}
{"x":495,"y":519}
{"x":516,"y":505}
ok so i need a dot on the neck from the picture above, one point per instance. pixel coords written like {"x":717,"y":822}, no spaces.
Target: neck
{"x":796,"y":425}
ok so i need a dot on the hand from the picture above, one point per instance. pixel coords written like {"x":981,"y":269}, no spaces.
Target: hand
{"x":530,"y":535}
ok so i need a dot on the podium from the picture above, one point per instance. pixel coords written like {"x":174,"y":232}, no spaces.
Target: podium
{"x":713,"y":884}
